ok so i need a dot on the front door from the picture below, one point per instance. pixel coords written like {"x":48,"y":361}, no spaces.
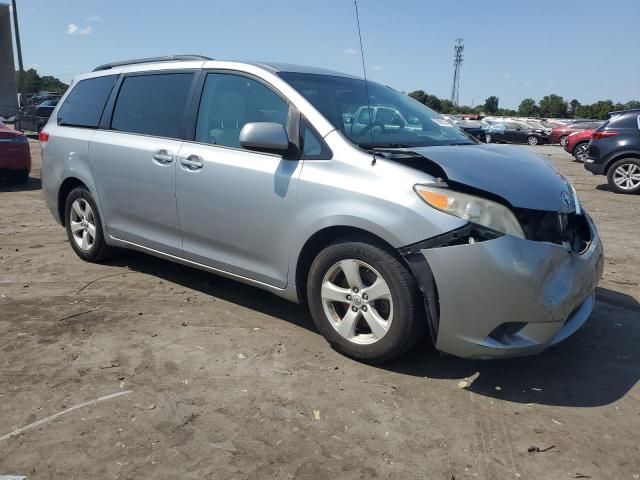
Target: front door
{"x":234,"y":204}
{"x":134,"y":162}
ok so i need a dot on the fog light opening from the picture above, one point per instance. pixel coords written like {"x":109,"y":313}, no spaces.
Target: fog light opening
{"x":504,"y":331}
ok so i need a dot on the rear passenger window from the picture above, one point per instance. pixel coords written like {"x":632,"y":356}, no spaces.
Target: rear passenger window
{"x":152,"y":104}
{"x":229,"y":102}
{"x":84,"y":105}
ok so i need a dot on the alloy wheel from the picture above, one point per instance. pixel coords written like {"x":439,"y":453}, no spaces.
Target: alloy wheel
{"x":488,"y":138}
{"x":357,"y":301}
{"x":532,"y":140}
{"x":627,"y":176}
{"x":83,"y":224}
{"x":581,"y":152}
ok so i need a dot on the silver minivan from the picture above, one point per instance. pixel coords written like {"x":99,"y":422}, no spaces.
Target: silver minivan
{"x":322,"y":188}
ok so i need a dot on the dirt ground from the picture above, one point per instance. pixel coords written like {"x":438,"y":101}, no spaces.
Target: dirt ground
{"x":227,"y":381}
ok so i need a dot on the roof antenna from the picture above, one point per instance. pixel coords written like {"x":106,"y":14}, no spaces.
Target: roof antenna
{"x":366,"y":83}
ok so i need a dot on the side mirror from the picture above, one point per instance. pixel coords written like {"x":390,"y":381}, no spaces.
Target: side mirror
{"x":264,"y":137}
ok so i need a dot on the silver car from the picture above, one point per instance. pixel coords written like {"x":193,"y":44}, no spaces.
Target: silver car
{"x":276,"y":175}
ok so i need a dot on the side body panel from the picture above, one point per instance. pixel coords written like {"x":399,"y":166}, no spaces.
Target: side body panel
{"x":66,"y":155}
{"x":351,"y":190}
{"x":236,"y":210}
{"x":137,"y":192}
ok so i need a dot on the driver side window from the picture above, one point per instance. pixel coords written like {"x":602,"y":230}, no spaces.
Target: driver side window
{"x":231,"y":101}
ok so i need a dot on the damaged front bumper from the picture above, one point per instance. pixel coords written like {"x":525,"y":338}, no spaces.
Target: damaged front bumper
{"x":507,"y":296}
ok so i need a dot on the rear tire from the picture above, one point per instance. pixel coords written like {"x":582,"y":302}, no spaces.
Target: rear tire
{"x":364,"y":301}
{"x":488,"y":138}
{"x":84,"y":227}
{"x":624,"y":176}
{"x":563,"y":140}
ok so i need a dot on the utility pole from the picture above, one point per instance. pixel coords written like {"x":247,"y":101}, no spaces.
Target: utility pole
{"x":19,"y":50}
{"x":457,"y":62}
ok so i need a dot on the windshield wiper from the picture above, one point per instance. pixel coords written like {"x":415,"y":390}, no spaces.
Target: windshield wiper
{"x":386,"y":146}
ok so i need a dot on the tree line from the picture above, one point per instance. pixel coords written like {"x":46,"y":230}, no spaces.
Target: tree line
{"x":34,"y":83}
{"x":549,"y":106}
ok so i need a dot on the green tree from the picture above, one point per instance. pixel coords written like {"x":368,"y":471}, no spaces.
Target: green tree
{"x":417,"y":95}
{"x":491,"y":104}
{"x":584,"y":111}
{"x":528,"y":108}
{"x":430,"y":101}
{"x":632,"y":105}
{"x":448,"y":106}
{"x":553,"y":106}
{"x":574,"y":105}
{"x":601,"y":109}
{"x":34,"y":83}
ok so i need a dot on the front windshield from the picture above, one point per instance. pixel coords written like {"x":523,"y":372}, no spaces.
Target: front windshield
{"x":389,"y":120}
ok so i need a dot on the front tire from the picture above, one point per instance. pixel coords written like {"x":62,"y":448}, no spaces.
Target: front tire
{"x":364,"y":301}
{"x":624,"y":176}
{"x":580,"y":151}
{"x":532,"y":140}
{"x":84,"y":228}
{"x":563,"y":140}
{"x":488,"y":138}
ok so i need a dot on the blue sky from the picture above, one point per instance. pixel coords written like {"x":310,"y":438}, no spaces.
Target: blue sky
{"x":584,"y":49}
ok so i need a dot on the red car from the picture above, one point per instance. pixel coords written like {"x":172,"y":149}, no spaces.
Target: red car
{"x":560,"y":134}
{"x":15,"y":156}
{"x":577,"y":144}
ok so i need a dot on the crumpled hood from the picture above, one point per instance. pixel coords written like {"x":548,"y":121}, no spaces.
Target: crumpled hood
{"x":522,"y":178}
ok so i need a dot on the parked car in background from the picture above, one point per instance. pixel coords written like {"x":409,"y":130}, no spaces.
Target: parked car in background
{"x":515,"y":132}
{"x":614,"y":151}
{"x":577,"y":144}
{"x":537,"y":126}
{"x":470,"y":127}
{"x":559,"y":134}
{"x":33,"y":117}
{"x":15,"y":156}
{"x":249,"y":171}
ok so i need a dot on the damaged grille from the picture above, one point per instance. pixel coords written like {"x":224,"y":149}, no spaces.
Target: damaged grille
{"x":568,"y":229}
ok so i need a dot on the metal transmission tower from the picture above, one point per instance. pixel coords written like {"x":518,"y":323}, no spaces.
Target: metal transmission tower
{"x":457,"y":62}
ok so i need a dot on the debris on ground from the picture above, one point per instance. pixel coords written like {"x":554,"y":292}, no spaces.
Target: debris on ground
{"x":282,"y":372}
{"x":535,"y":449}
{"x":227,"y":446}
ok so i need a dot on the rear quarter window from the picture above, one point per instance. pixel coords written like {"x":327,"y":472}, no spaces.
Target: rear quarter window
{"x":626,"y":120}
{"x":84,"y":105}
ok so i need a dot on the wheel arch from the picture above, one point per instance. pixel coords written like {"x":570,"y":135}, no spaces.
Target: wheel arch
{"x":67,"y":185}
{"x":619,"y":156}
{"x":323,"y":238}
{"x":581,"y":142}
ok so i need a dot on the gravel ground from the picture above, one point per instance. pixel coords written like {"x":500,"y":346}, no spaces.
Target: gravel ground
{"x":227,"y":381}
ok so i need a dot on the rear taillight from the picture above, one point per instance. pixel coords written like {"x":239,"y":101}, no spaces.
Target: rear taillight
{"x":43,"y":136}
{"x":603,"y":134}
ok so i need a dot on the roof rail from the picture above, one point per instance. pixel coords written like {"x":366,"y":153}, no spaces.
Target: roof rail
{"x":167,"y":58}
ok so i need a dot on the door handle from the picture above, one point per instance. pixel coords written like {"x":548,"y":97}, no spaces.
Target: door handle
{"x":192,"y":162}
{"x":163,"y":156}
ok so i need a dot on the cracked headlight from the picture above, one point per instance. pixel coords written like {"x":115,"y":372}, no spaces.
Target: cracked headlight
{"x":478,"y":210}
